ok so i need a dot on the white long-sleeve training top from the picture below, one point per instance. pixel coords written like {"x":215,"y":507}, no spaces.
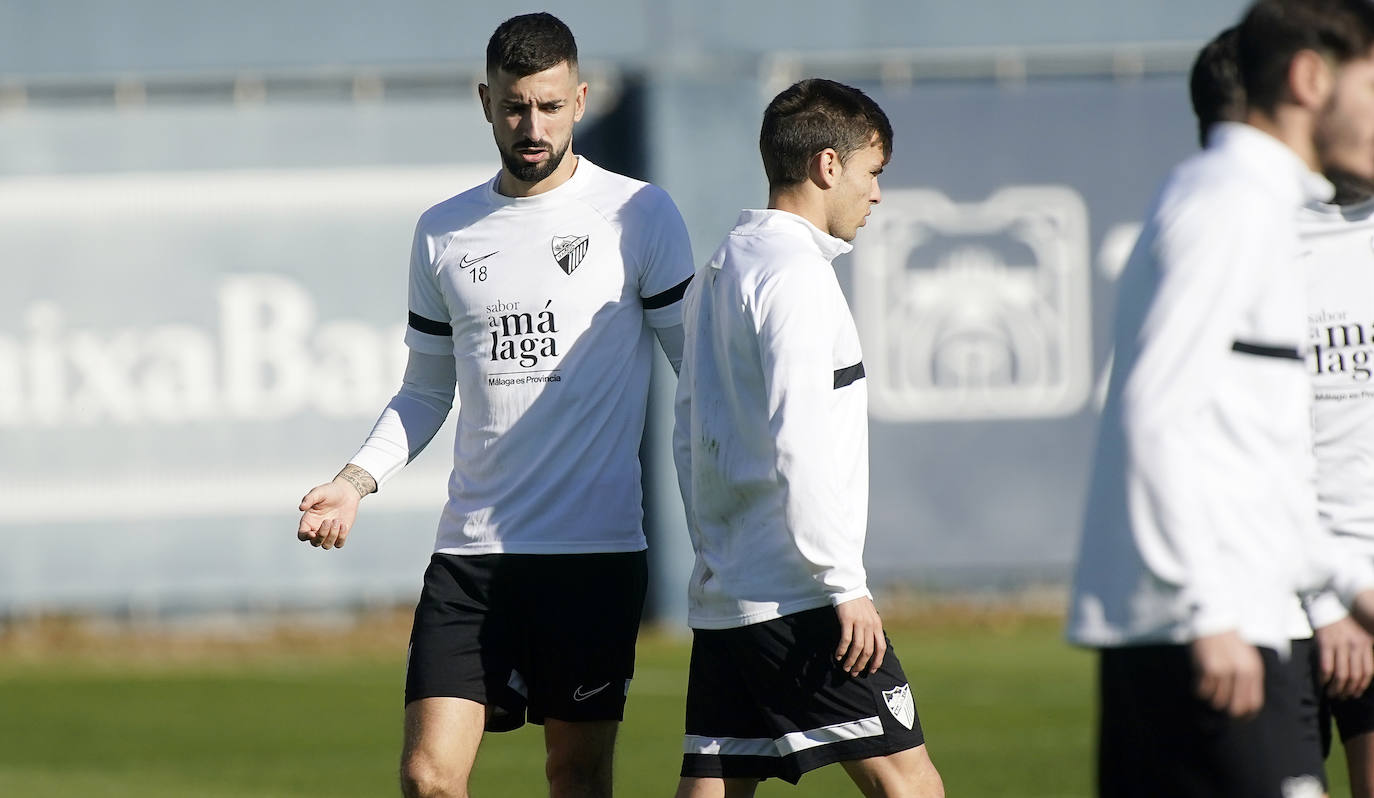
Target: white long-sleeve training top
{"x":771,"y":439}
{"x":1202,"y":514}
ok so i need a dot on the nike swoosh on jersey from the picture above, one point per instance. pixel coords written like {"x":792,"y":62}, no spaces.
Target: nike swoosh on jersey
{"x":463,"y":262}
{"x":578,"y":695}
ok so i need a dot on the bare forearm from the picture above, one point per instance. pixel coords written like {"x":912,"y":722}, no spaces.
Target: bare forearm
{"x":359,"y":479}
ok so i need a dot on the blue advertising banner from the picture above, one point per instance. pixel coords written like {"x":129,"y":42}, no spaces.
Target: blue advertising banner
{"x":983,"y":287}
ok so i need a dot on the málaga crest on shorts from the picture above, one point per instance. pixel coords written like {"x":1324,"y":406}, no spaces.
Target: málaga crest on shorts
{"x":569,"y":251}
{"x":901,"y":706}
{"x":1302,"y":787}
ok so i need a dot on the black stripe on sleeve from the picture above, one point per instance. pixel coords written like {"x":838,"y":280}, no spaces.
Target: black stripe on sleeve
{"x":1266,"y":351}
{"x":430,"y":326}
{"x":849,"y":374}
{"x":666,"y":298}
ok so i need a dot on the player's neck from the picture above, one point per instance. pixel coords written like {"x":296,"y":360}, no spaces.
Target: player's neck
{"x":511,"y":186}
{"x":1291,"y":125}
{"x":807,"y":204}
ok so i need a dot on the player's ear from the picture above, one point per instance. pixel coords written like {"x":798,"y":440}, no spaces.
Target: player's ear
{"x":580,"y":102}
{"x":484,"y":96}
{"x":1311,"y":79}
{"x":824,"y":168}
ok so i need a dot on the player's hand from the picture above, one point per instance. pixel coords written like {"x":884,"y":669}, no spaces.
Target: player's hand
{"x":1230,"y":674}
{"x":1347,"y":658}
{"x":327,"y":513}
{"x":861,"y":636}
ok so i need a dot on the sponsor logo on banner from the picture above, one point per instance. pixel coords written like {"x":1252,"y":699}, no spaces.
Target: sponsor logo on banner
{"x":978,"y":310}
{"x":569,"y":251}
{"x":263,"y":355}
{"x":900,"y":704}
{"x":185,"y":353}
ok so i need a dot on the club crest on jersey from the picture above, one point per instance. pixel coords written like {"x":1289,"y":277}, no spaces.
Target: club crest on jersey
{"x":569,"y":251}
{"x":901,"y":706}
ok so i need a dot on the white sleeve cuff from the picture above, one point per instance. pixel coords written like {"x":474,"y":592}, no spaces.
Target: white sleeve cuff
{"x":1354,"y":576}
{"x":1212,"y":619}
{"x":1323,"y":609}
{"x":377,"y":461}
{"x":836,"y":599}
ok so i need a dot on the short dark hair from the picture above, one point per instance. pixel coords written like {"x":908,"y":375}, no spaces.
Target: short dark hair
{"x":1215,"y":84}
{"x":531,"y":43}
{"x":1274,"y":31}
{"x":812,"y":115}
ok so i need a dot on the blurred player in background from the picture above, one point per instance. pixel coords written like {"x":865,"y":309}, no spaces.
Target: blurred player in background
{"x":1215,"y":86}
{"x":1337,"y":663}
{"x":790,"y":669}
{"x":535,"y":295}
{"x":1201,"y":523}
{"x":1338,"y":260}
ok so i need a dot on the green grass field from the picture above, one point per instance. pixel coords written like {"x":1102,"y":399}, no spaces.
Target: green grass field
{"x":1005,"y":704}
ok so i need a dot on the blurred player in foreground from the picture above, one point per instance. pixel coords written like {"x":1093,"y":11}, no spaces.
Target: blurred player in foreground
{"x":1201,"y":523}
{"x":535,"y":295}
{"x":1334,"y":665}
{"x":790,"y":669}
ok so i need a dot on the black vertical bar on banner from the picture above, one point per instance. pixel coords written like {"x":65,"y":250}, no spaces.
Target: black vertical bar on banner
{"x":618,"y":138}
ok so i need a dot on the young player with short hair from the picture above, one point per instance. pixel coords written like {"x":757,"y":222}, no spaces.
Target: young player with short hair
{"x":790,"y":667}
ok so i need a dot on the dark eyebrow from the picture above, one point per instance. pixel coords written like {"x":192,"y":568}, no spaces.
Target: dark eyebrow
{"x":515,"y":102}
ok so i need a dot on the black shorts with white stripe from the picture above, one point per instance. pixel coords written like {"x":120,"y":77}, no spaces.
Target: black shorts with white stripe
{"x":769,"y":700}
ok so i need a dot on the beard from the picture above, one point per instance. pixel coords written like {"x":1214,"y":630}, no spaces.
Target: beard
{"x":532,"y":172}
{"x":1351,"y":189}
{"x":1335,"y":135}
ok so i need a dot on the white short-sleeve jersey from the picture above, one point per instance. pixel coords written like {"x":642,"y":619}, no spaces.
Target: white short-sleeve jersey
{"x":545,"y":303}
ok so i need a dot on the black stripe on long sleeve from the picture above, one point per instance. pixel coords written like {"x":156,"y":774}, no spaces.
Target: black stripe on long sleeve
{"x":1266,"y":351}
{"x":849,"y":374}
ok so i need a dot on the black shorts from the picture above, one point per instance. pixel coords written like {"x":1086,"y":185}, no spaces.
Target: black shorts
{"x":769,"y":699}
{"x":537,"y":635}
{"x":1157,"y":738}
{"x":1304,"y":666}
{"x":1353,"y":716}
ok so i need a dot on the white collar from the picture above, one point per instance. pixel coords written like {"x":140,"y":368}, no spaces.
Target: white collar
{"x":830,"y":247}
{"x":1274,"y":161}
{"x":568,"y":188}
